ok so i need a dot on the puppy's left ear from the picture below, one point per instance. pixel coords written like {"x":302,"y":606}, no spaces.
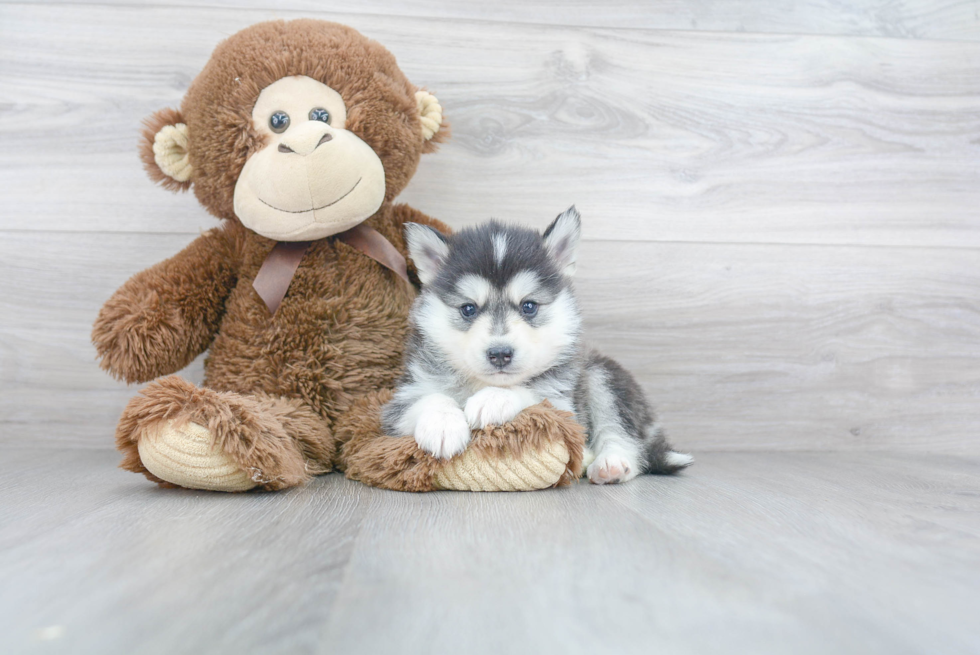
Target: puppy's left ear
{"x":427,"y":248}
{"x":561,"y":239}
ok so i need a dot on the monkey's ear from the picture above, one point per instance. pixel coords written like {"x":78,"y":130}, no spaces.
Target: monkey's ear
{"x":164,"y":150}
{"x":427,"y":248}
{"x":434,"y":127}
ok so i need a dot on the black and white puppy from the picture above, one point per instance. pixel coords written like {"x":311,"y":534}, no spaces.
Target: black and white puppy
{"x":496,"y":329}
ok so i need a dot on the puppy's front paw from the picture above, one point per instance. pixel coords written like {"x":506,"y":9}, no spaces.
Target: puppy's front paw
{"x":442,"y":431}
{"x":493,"y":406}
{"x":611,"y":468}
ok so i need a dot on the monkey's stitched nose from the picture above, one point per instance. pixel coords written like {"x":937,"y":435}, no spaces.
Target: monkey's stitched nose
{"x":305,"y":138}
{"x":323,"y":139}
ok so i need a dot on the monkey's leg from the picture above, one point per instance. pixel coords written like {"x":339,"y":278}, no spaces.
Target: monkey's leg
{"x":540,"y":448}
{"x":179,"y":434}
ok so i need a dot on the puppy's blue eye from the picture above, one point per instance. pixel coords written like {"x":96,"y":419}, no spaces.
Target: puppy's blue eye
{"x":468,"y":310}
{"x":320,"y":114}
{"x":530,"y":308}
{"x":279,"y":121}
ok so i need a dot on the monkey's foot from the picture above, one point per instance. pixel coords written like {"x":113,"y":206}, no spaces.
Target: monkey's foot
{"x":181,"y":435}
{"x":540,"y":448}
{"x":187,"y":456}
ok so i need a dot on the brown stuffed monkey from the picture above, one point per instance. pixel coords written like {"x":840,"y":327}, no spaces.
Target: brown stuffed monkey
{"x":298,"y":135}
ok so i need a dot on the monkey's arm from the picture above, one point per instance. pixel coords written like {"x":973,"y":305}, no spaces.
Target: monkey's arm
{"x":162,"y":318}
{"x":407,"y":214}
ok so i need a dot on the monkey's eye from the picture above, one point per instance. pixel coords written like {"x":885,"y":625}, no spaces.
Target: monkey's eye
{"x":468,"y":310}
{"x":320,"y":114}
{"x":278,"y":122}
{"x":529,"y":308}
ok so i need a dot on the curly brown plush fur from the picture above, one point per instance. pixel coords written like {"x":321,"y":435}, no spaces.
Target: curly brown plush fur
{"x":281,"y":392}
{"x":398,"y":463}
{"x":282,"y":438}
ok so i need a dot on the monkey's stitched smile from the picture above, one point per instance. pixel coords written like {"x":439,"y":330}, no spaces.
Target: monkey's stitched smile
{"x":313,"y":209}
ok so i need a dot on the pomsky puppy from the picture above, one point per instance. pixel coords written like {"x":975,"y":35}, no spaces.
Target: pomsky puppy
{"x":497,"y":329}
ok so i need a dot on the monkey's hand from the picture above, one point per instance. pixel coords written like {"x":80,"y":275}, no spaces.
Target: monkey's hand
{"x":165,"y":316}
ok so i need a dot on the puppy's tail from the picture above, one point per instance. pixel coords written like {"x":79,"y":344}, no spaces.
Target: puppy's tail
{"x":660,"y":459}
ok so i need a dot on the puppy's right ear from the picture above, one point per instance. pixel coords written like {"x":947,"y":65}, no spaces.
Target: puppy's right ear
{"x":561,"y":239}
{"x":427,"y":248}
{"x":165,"y":148}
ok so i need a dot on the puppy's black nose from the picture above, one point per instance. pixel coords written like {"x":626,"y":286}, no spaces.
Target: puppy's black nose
{"x":500,"y":357}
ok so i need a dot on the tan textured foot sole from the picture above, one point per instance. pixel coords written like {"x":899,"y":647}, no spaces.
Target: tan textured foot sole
{"x":473,"y":471}
{"x":186,"y":456}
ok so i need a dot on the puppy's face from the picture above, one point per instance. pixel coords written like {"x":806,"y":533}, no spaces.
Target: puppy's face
{"x":497,"y":301}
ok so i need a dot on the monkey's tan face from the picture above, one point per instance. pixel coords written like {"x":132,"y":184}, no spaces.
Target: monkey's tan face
{"x":313,"y":178}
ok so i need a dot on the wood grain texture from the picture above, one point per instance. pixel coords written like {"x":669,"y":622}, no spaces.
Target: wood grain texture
{"x":906,"y":19}
{"x":657,"y":135}
{"x":168,"y":569}
{"x":762,"y":553}
{"x":758,"y":347}
{"x":693,"y":156}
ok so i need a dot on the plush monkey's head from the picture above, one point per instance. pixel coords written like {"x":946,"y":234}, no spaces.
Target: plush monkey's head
{"x":298,"y":129}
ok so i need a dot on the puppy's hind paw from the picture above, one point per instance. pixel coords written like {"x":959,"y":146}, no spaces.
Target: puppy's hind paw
{"x":611,"y":469}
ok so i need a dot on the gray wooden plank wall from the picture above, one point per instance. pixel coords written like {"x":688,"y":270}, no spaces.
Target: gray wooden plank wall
{"x":782,"y":200}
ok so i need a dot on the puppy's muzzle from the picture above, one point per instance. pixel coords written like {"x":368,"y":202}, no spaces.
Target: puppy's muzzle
{"x":500,"y":356}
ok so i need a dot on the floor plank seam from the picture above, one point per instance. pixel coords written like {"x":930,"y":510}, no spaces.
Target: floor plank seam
{"x":342,"y":584}
{"x":605,"y":240}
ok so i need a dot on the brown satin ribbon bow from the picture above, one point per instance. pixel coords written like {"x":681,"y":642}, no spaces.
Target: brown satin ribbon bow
{"x":279,"y":267}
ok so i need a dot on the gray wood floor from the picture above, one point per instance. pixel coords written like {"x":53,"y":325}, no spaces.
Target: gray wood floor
{"x":747,"y":552}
